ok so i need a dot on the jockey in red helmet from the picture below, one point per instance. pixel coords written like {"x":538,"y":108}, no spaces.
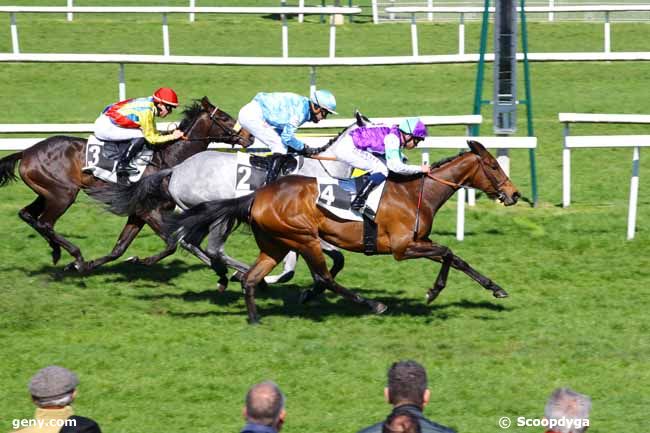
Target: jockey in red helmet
{"x":133,"y":119}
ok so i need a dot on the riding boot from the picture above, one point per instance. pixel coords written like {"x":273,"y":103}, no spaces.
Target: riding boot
{"x":365,"y":190}
{"x":276,"y":166}
{"x":124,"y":166}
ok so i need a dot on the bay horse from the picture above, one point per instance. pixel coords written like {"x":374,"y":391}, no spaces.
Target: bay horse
{"x":52,"y":168}
{"x":284,"y":216}
{"x":209,"y":176}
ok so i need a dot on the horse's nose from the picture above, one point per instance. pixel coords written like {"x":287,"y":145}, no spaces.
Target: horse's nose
{"x":515,"y":196}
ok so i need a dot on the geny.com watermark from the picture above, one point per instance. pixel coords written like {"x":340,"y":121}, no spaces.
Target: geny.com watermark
{"x":41,"y":423}
{"x":521,"y":421}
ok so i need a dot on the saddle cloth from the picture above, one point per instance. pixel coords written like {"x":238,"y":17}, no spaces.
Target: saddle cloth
{"x":249,"y":177}
{"x":102,"y":157}
{"x":335,"y":195}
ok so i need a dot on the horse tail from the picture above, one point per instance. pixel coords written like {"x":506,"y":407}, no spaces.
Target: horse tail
{"x":7,"y":167}
{"x":136,"y":198}
{"x":225,"y":215}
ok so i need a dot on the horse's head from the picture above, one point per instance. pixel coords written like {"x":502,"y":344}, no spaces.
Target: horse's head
{"x":490,"y":178}
{"x":221,"y":126}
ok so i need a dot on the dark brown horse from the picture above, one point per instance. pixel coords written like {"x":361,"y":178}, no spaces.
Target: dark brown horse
{"x":284,"y":216}
{"x":52,"y":169}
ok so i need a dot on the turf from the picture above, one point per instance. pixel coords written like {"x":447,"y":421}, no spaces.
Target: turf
{"x":157,"y":350}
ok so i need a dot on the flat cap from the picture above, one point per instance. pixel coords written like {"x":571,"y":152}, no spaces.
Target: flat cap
{"x":52,"y":381}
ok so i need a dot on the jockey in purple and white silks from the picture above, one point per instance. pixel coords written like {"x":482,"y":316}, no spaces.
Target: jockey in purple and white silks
{"x":359,"y":146}
{"x":273,"y":119}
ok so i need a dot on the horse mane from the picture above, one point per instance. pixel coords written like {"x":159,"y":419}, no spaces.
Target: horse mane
{"x":404,"y":177}
{"x":189,"y":113}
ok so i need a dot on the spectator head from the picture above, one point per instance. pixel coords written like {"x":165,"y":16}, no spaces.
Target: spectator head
{"x":265,"y":405}
{"x":401,"y":422}
{"x":407,"y":384}
{"x":53,"y":386}
{"x":568,"y":405}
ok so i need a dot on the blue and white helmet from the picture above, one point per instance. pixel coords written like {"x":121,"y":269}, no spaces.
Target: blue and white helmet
{"x":324,"y":99}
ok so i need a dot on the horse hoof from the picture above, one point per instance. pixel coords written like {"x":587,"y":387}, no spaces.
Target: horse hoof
{"x":432,"y":295}
{"x":500,"y":293}
{"x":237,"y":276}
{"x":379,"y":308}
{"x":71,"y":267}
{"x":56,"y":256}
{"x":133,"y":259}
{"x":285,"y":277}
{"x":306,"y":296}
{"x":254,"y":321}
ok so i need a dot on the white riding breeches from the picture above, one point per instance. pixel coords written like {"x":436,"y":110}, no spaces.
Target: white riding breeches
{"x":108,"y":131}
{"x":251,"y":118}
{"x":344,"y":150}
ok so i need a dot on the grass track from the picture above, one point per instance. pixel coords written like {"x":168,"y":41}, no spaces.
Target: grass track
{"x":154,"y":352}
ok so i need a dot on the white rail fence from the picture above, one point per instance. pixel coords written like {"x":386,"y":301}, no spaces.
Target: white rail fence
{"x":164,"y":11}
{"x":600,"y":141}
{"x":453,"y":142}
{"x":605,"y":9}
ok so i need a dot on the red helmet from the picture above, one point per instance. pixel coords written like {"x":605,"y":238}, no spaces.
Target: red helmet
{"x":166,"y":96}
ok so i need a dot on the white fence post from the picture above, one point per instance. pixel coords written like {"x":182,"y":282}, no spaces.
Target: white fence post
{"x":608,"y":42}
{"x":460,"y":214}
{"x":70,"y":15}
{"x":634,"y":195}
{"x":461,"y":34}
{"x":301,"y":17}
{"x":312,"y":81}
{"x":165,"y":32}
{"x":375,"y":12}
{"x":430,"y":14}
{"x":332,"y":36}
{"x":14,"y":34}
{"x":551,"y":4}
{"x":192,"y":14}
{"x":414,"y":35}
{"x":566,"y":170}
{"x":121,"y":87}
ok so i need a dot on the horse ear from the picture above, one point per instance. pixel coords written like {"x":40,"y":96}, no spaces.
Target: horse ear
{"x":476,"y":147}
{"x":206,"y":104}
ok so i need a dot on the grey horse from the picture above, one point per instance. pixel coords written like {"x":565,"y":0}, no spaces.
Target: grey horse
{"x":207,"y":176}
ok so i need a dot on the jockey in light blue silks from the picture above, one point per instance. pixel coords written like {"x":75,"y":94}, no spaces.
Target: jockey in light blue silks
{"x":273,"y":119}
{"x":359,"y":146}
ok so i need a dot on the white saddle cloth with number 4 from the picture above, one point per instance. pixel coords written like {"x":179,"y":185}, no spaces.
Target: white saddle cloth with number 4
{"x":335,"y":195}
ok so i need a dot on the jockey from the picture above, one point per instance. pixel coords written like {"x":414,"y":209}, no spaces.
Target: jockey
{"x":133,"y":119}
{"x":357,"y":149}
{"x":273,"y":119}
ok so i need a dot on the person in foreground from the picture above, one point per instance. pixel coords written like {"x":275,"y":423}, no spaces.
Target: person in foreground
{"x":407,"y":392}
{"x":273,"y":119}
{"x":53,"y":390}
{"x":359,"y":147}
{"x":133,"y":119}
{"x":264,"y":409}
{"x":567,"y":412}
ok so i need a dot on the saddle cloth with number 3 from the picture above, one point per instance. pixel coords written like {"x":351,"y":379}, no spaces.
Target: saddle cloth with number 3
{"x":335,"y":195}
{"x":102,"y":157}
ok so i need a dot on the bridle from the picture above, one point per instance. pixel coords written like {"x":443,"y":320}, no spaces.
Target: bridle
{"x":457,"y":185}
{"x":229,"y":133}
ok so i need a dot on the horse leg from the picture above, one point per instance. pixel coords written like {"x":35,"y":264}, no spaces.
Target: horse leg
{"x":30,"y":215}
{"x":262,"y":266}
{"x":45,"y":225}
{"x":312,"y":252}
{"x":337,"y":257}
{"x":287,"y":272}
{"x":445,"y":256}
{"x":131,"y":229}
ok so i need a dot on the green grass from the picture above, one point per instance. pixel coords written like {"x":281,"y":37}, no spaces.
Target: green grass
{"x":157,"y":350}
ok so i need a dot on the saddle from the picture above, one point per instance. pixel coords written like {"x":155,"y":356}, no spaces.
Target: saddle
{"x":264,"y":163}
{"x":102,"y":158}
